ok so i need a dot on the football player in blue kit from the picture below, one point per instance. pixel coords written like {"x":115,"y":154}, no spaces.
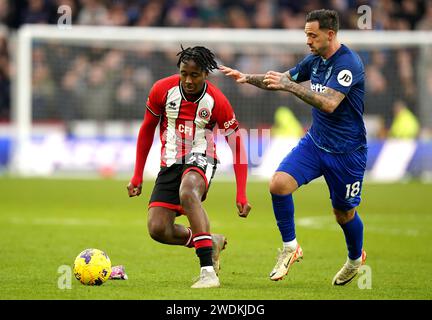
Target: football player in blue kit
{"x":334,"y":146}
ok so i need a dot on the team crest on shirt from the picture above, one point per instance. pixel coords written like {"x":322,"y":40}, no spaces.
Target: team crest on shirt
{"x":204,"y":113}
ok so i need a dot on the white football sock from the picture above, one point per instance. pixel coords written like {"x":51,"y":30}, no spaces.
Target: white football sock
{"x":356,"y":262}
{"x":290,"y":245}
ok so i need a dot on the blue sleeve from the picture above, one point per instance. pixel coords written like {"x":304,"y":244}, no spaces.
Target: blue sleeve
{"x":346,"y":74}
{"x":301,"y":72}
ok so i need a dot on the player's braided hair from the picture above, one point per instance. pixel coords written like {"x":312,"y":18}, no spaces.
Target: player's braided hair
{"x":202,"y":56}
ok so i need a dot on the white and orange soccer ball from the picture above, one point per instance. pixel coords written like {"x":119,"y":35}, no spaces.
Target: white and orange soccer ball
{"x":92,"y":267}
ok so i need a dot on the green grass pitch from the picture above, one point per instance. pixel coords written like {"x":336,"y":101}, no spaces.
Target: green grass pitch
{"x":44,"y":224}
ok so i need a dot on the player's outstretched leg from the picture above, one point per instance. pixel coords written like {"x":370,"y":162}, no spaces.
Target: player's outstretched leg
{"x":349,"y":270}
{"x":282,"y":186}
{"x":219,"y":243}
{"x":191,"y":192}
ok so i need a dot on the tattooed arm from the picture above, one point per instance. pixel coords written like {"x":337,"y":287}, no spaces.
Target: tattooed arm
{"x":254,"y":79}
{"x":326,"y":101}
{"x":257,"y":80}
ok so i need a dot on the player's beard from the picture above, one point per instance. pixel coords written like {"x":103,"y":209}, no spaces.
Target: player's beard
{"x":318,"y":52}
{"x":313,"y":50}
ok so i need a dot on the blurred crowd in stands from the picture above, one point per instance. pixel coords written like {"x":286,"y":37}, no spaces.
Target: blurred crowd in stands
{"x":120,"y":80}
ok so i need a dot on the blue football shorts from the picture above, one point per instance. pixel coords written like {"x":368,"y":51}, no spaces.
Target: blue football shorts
{"x":343,"y":172}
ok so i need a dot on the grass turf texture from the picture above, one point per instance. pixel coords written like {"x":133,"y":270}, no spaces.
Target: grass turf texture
{"x":45,"y":223}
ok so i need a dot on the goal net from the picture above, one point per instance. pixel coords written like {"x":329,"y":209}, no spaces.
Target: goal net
{"x":80,"y":93}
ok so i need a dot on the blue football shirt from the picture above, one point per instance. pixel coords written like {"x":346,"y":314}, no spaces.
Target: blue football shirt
{"x":343,"y":130}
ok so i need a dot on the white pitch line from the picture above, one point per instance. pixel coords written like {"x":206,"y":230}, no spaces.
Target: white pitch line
{"x":311,"y":222}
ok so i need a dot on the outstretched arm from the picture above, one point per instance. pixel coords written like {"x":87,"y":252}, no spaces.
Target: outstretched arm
{"x":144,"y":143}
{"x":255,"y":79}
{"x":326,"y":101}
{"x":240,"y":165}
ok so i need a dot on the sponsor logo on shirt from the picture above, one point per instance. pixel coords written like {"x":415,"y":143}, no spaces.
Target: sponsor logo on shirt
{"x":317,"y":87}
{"x":345,"y":78}
{"x":229,"y":123}
{"x":185,"y":129}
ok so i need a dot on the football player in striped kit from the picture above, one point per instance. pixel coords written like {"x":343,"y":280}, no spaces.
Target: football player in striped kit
{"x":187,"y":108}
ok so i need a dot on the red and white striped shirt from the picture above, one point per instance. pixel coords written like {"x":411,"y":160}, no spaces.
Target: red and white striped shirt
{"x":187,"y":126}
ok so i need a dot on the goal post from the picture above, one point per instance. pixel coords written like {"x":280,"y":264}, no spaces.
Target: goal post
{"x":47,"y":56}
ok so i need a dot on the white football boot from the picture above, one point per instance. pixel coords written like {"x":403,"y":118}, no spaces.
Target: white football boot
{"x":206,"y":279}
{"x":285,"y":259}
{"x":348,"y":272}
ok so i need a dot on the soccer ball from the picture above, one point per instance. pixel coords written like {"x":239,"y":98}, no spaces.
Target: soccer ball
{"x":92,"y":267}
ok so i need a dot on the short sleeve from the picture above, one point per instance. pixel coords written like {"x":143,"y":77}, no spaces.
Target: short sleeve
{"x":344,"y":76}
{"x":223,"y":115}
{"x":301,"y":72}
{"x":155,"y":100}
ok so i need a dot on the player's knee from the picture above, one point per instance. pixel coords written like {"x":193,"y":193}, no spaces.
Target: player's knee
{"x":275,"y":186}
{"x":189,"y":197}
{"x":158,"y":231}
{"x":191,"y":190}
{"x":281,"y":184}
